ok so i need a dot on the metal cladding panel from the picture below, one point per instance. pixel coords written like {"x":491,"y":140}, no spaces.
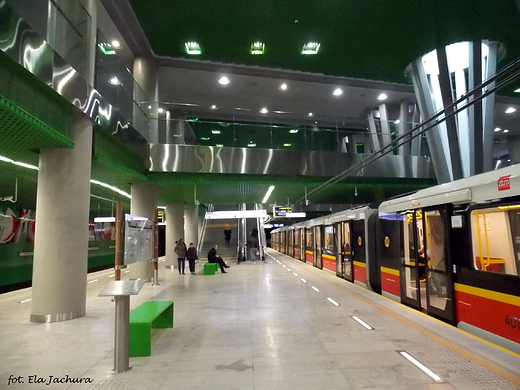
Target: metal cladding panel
{"x":501,"y":183}
{"x":210,"y":159}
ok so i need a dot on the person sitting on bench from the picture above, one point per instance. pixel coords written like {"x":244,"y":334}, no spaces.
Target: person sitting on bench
{"x":213,"y":257}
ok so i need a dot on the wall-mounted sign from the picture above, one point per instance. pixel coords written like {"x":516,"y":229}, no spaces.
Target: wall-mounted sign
{"x":504,"y":183}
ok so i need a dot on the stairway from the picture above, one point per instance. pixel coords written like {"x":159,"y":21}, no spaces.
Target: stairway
{"x":215,"y":235}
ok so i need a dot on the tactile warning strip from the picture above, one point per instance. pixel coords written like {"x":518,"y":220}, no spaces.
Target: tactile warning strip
{"x":109,"y":385}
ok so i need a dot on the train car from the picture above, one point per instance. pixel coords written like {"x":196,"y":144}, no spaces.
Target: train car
{"x":458,"y":255}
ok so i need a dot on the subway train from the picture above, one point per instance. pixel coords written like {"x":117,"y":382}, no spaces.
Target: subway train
{"x":452,"y":251}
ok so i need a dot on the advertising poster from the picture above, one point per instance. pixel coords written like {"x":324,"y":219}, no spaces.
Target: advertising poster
{"x":138,"y":239}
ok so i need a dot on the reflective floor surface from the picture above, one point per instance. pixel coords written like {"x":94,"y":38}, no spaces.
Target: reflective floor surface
{"x":260,"y":326}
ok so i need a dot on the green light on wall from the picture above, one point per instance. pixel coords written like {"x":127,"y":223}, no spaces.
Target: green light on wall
{"x":287,"y":145}
{"x":106,"y":49}
{"x":193,"y":48}
{"x":257,"y":48}
{"x":311,"y":48}
{"x":192,"y":120}
{"x":219,"y":145}
{"x":204,"y":138}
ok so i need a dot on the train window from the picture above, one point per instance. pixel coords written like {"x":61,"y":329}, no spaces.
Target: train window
{"x":309,"y":238}
{"x":329,"y":238}
{"x":495,"y":236}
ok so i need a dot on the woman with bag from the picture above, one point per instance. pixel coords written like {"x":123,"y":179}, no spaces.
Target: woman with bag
{"x":180,"y":250}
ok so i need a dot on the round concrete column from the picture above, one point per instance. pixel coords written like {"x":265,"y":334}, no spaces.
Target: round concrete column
{"x":191,"y":223}
{"x":61,"y":240}
{"x":174,"y":230}
{"x":143,"y":204}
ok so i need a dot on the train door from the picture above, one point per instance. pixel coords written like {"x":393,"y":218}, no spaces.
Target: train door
{"x":309,"y":245}
{"x":439,"y":279}
{"x":329,"y":251}
{"x":317,"y":247}
{"x":413,"y":267}
{"x":302,"y":244}
{"x":346,"y":229}
{"x":338,"y":243}
{"x":359,"y":251}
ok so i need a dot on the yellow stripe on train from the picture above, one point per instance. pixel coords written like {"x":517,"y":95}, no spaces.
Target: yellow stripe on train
{"x":328,"y":256}
{"x":496,"y":296}
{"x":359,"y":264}
{"x":390,"y":271}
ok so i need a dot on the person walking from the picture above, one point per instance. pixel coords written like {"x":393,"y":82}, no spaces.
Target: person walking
{"x":191,"y":255}
{"x":213,"y":257}
{"x":180,"y":250}
{"x":227,"y":234}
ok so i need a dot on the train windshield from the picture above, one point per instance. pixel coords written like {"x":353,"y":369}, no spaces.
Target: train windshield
{"x":495,"y":236}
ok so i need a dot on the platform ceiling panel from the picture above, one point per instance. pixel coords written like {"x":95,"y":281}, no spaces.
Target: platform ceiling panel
{"x":373,"y":39}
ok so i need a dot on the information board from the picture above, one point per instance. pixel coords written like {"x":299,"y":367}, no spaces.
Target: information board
{"x":281,"y":211}
{"x":138,"y":239}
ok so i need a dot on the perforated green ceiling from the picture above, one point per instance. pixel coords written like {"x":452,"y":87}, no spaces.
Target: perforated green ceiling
{"x":373,"y":39}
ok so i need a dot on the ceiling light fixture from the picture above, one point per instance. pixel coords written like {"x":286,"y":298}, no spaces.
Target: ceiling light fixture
{"x":251,"y":144}
{"x":510,"y":110}
{"x":223,"y":80}
{"x":268,"y":194}
{"x":160,"y":110}
{"x":204,"y":138}
{"x":213,"y":107}
{"x":115,"y":44}
{"x":382,"y":96}
{"x":114,"y":80}
{"x":215,"y":131}
{"x":193,"y":48}
{"x":219,"y":145}
{"x":283,"y":87}
{"x":311,"y":48}
{"x":397,"y":121}
{"x":257,"y":48}
{"x":264,"y":110}
{"x":497,"y":129}
{"x":111,"y":188}
{"x":506,"y":131}
{"x":337,"y":92}
{"x":106,"y":48}
{"x":293,"y":131}
{"x":287,"y":145}
{"x":517,"y":90}
{"x":310,"y":114}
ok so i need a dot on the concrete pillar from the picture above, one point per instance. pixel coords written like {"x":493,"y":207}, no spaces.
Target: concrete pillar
{"x":143,"y":204}
{"x":61,"y":240}
{"x":146,"y":94}
{"x":191,"y":224}
{"x":174,"y":230}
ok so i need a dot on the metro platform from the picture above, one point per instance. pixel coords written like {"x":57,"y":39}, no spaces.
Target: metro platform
{"x":260,"y":326}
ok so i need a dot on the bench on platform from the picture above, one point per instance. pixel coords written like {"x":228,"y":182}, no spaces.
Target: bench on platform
{"x":152,"y":314}
{"x":210,"y":268}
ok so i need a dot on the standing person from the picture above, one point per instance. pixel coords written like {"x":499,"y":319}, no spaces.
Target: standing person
{"x":181,"y":250}
{"x":227,"y":234}
{"x":252,"y":244}
{"x":191,"y":255}
{"x":213,"y":257}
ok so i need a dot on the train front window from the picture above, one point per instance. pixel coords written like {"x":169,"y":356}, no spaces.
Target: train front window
{"x":495,"y":236}
{"x":329,"y":238}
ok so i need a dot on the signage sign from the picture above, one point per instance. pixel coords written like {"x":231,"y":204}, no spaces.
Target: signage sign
{"x":504,"y":183}
{"x":281,"y":211}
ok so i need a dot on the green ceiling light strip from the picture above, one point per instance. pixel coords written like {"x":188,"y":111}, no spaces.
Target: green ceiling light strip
{"x":21,"y":130}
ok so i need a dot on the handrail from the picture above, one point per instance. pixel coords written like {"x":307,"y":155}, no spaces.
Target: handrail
{"x":203,"y":230}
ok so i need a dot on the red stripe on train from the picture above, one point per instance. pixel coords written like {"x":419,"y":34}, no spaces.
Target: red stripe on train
{"x":500,"y":318}
{"x":360,"y":274}
{"x":391,"y":284}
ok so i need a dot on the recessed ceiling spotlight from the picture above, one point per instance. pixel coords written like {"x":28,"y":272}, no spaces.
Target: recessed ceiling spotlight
{"x":257,"y":48}
{"x":114,"y":81}
{"x":283,"y":87}
{"x":517,"y":90}
{"x":311,"y":48}
{"x":160,"y":110}
{"x":223,"y":80}
{"x":213,"y":107}
{"x":316,"y":122}
{"x":337,"y":92}
{"x":497,"y":129}
{"x":397,"y":121}
{"x":382,"y":96}
{"x":506,"y":131}
{"x":510,"y":110}
{"x":264,"y":110}
{"x":115,"y":44}
{"x":310,"y":114}
{"x":149,"y":107}
{"x":192,"y":48}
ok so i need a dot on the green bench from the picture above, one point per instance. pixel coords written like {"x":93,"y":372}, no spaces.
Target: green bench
{"x":210,"y":268}
{"x":152,"y":314}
